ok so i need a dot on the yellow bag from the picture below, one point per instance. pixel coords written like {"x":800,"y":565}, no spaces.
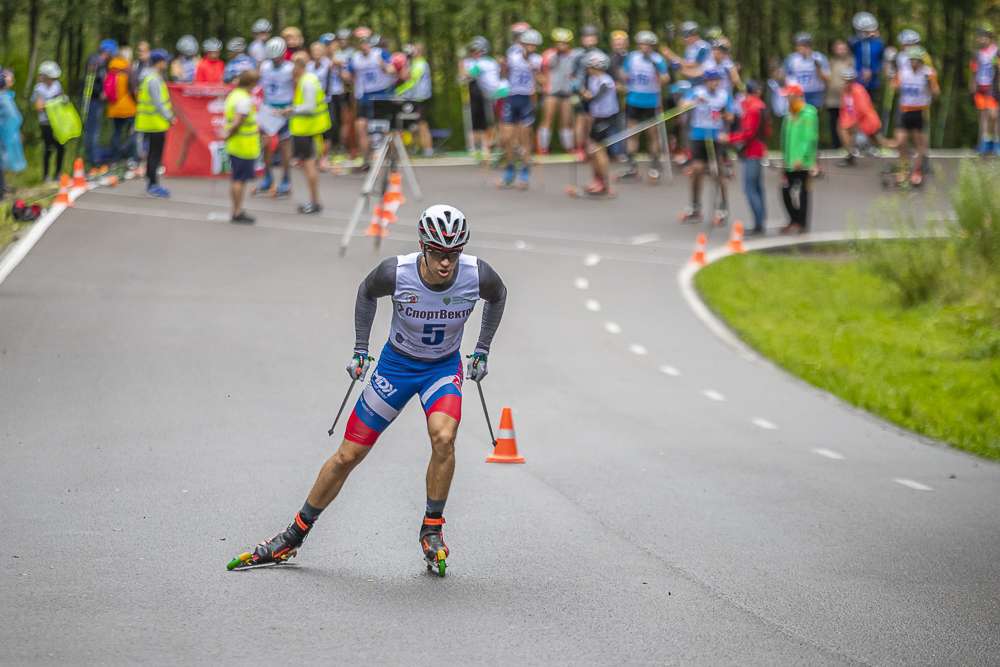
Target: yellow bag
{"x":63,"y":118}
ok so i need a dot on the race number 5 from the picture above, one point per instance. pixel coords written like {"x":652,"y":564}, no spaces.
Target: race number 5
{"x":435,"y":334}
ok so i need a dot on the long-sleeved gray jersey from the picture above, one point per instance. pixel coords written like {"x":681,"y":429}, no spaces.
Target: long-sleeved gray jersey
{"x":428,"y":320}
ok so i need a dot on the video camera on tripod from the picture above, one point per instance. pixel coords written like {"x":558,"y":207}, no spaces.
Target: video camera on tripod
{"x":392,"y":114}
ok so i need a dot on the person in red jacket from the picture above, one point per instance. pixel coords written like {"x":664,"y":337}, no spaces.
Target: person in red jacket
{"x":211,"y":69}
{"x":857,"y":114}
{"x":755,"y":128}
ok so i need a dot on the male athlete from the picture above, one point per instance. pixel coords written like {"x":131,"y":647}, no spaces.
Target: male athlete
{"x":279,"y":89}
{"x":433,"y":293}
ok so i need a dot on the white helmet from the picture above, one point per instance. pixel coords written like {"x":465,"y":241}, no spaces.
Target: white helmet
{"x":261,"y":25}
{"x":50,"y":69}
{"x":865,"y":22}
{"x":531,"y":36}
{"x":211,"y":44}
{"x":275,"y":48}
{"x":647,"y":37}
{"x":908,"y":38}
{"x":442,"y":226}
{"x":187,"y":45}
{"x":236,"y":45}
{"x":599,"y":60}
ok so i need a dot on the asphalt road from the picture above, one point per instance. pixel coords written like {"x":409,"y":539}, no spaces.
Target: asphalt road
{"x":167,"y":380}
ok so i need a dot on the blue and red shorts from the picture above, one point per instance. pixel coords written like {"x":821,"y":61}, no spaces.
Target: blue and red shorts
{"x":394,"y":382}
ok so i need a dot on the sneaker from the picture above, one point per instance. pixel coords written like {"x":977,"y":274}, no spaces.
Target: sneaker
{"x":265,"y":184}
{"x":311,"y":207}
{"x":243,"y":218}
{"x":847,"y":161}
{"x":157,"y":192}
{"x":428,"y":153}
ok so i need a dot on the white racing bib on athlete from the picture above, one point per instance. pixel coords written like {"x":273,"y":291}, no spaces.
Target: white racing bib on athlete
{"x":427,"y":324}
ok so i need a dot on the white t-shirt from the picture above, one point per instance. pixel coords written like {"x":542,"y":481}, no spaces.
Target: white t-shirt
{"x":520,"y":71}
{"x":45,"y":93}
{"x":605,"y":105}
{"x":322,"y":72}
{"x":277,"y":83}
{"x":243,"y":105}
{"x":257,"y":51}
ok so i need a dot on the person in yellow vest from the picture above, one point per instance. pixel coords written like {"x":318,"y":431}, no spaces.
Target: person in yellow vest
{"x":154,"y":117}
{"x":242,"y":140}
{"x":308,"y":117}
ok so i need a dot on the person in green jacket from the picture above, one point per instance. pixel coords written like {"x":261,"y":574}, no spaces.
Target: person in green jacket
{"x":799,"y":139}
{"x":417,"y":87}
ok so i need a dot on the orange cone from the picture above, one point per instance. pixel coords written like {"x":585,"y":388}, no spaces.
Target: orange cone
{"x":506,"y":449}
{"x":735,"y":244}
{"x":79,"y":180}
{"x":393,"y":197}
{"x":63,"y":197}
{"x":699,"y":251}
{"x":376,"y":228}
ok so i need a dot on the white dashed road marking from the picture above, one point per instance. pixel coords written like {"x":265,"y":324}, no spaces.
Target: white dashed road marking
{"x":830,"y":454}
{"x":670,"y":370}
{"x":592,"y":305}
{"x":581,"y":283}
{"x":635,"y":348}
{"x":913,"y":485}
{"x":592,"y":259}
{"x":713,"y":395}
{"x":520,"y":245}
{"x":763,"y":423}
{"x":612,"y":327}
{"x":643,"y":239}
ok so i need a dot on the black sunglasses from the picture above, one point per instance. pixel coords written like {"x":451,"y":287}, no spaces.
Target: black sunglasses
{"x":441,"y":255}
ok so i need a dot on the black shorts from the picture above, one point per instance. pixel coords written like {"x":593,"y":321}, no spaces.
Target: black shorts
{"x":602,"y":129}
{"x":699,"y":150}
{"x":638,"y":113}
{"x":243,"y":169}
{"x":477,"y":105}
{"x":303,"y":148}
{"x":912,"y":120}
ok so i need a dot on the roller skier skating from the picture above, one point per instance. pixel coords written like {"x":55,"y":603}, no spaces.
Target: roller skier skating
{"x":276,"y":550}
{"x":432,"y":542}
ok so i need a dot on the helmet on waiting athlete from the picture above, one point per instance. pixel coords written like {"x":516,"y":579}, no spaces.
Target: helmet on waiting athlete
{"x":647,"y":37}
{"x":803,"y":38}
{"x":985,"y":29}
{"x":916,"y":53}
{"x":480,"y":44}
{"x":344,"y":33}
{"x":689,"y":29}
{"x":443,"y":227}
{"x":261,"y":25}
{"x":50,"y":69}
{"x":849,"y":74}
{"x":619,"y":34}
{"x":211,"y":44}
{"x":530,"y":36}
{"x":275,"y":48}
{"x":110,"y":46}
{"x":908,"y":38}
{"x":590,"y":30}
{"x":562,"y":35}
{"x":712,"y":73}
{"x":713,"y":32}
{"x":326,"y":38}
{"x":362,"y":32}
{"x":187,"y":45}
{"x":519,"y":27}
{"x":375,"y":39}
{"x":865,"y":22}
{"x":237,"y":45}
{"x":598,"y":60}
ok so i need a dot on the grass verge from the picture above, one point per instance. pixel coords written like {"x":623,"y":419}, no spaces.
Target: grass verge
{"x":931,"y":368}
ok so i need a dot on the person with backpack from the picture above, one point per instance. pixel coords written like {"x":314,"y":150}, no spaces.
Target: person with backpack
{"x":48,"y":87}
{"x":755,"y":129}
{"x":121,"y":104}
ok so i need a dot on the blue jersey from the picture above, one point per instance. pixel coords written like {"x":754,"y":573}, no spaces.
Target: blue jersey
{"x":707,"y":120}
{"x":868,"y":56}
{"x":700,"y":53}
{"x":237,"y":66}
{"x":643,"y":79}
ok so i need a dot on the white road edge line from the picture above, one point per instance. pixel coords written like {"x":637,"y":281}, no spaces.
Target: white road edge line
{"x":581,"y":283}
{"x":612,"y":327}
{"x":21,"y":248}
{"x":593,"y":259}
{"x":763,"y":423}
{"x":829,"y":453}
{"x":912,"y":484}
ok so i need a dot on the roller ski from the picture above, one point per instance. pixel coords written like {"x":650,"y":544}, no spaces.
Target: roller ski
{"x":597,"y":189}
{"x":653,"y":173}
{"x":432,"y":542}
{"x":264,"y":187}
{"x":283,"y":190}
{"x":630,"y":174}
{"x":277,"y":550}
{"x":721,"y":217}
{"x":507,"y":182}
{"x":523,"y":178}
{"x":690,"y":215}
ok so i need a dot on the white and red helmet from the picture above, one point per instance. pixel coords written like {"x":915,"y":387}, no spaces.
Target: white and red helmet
{"x":443,"y":227}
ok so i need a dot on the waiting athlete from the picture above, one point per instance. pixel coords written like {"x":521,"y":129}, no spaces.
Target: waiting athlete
{"x":983,"y":86}
{"x":519,"y":107}
{"x":697,"y":58}
{"x":483,"y":74}
{"x":809,"y":69}
{"x":602,"y":101}
{"x":917,"y":85}
{"x":433,"y":293}
{"x":370,"y":70}
{"x":584,"y":119}
{"x":239,"y":61}
{"x":647,"y":74}
{"x":557,"y":78}
{"x":184,"y":67}
{"x":714,"y":108}
{"x":868,"y":51}
{"x":857,"y":114}
{"x":276,"y":81}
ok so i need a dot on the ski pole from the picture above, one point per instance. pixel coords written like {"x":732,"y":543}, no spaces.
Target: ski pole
{"x":487,"y":413}
{"x":341,"y":410}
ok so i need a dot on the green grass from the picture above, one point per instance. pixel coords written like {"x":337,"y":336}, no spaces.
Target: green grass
{"x":934,"y":369}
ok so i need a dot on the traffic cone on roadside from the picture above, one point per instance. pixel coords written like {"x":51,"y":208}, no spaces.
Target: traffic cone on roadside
{"x":506,"y":449}
{"x":699,"y":251}
{"x":63,"y":197}
{"x":735,"y":244}
{"x":393,"y":198}
{"x":79,"y":179}
{"x":376,"y":228}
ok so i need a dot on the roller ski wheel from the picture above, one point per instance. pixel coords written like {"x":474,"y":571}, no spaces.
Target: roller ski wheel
{"x":654,"y":175}
{"x":720,"y":218}
{"x":507,"y":182}
{"x":583,"y":193}
{"x":282,"y":191}
{"x":690,"y":216}
{"x":264,"y":187}
{"x":434,"y":548}
{"x":277,"y":550}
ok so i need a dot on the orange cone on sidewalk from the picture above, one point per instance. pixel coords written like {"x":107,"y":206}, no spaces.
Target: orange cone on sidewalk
{"x":506,"y":449}
{"x":79,"y":180}
{"x":699,"y":251}
{"x":63,"y":197}
{"x":735,"y":244}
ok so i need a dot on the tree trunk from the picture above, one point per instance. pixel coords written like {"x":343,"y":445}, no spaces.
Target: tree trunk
{"x":34,"y":31}
{"x":633,"y":17}
{"x":415,"y":29}
{"x":119,"y":24}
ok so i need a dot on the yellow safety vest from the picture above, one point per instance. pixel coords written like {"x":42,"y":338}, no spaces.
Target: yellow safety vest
{"x":246,"y":142}
{"x":147,"y":119}
{"x":319,"y":121}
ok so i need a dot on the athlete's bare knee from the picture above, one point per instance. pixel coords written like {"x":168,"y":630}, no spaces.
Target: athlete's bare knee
{"x":349,"y":455}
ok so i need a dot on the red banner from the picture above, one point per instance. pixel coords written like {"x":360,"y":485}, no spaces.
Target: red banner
{"x":196,"y":142}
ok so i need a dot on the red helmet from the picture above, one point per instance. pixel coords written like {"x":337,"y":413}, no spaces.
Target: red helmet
{"x":399,"y":61}
{"x":362,"y":32}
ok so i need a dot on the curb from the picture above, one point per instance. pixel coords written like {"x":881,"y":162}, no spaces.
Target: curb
{"x":20,"y":248}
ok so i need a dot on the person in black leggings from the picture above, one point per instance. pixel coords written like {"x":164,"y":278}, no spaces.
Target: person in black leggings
{"x":48,"y":88}
{"x":51,"y":145}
